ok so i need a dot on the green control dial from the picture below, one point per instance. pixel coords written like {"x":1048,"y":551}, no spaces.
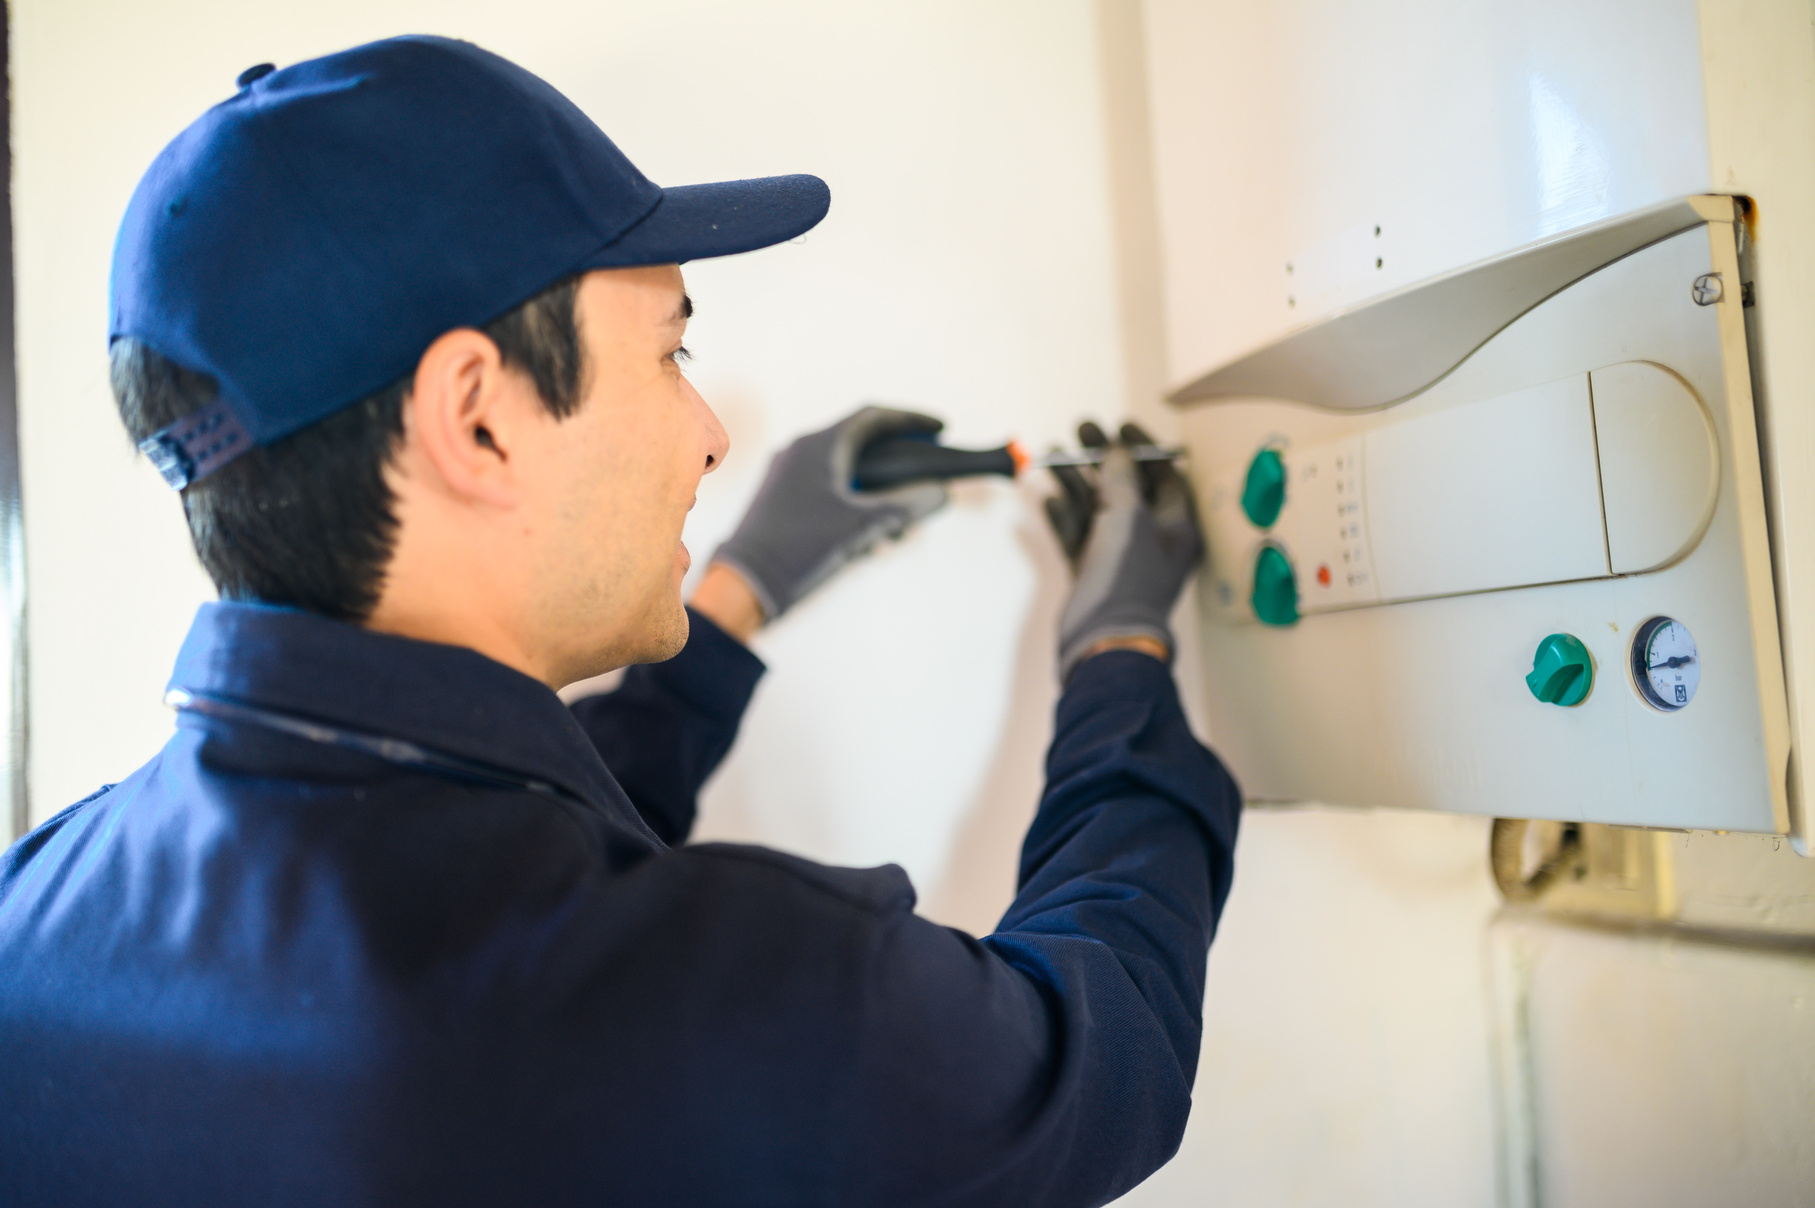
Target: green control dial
{"x":1264,"y":493}
{"x":1275,"y":597}
{"x":1562,"y":671}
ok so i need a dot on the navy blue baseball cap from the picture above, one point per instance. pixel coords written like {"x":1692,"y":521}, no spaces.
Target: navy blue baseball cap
{"x":303,"y":242}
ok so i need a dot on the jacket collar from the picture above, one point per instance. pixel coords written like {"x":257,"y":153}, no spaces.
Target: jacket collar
{"x":446,"y":698}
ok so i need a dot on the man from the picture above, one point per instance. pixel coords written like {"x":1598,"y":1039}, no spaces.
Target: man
{"x":384,"y":922}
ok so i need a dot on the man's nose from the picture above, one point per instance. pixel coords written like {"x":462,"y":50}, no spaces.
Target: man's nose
{"x":718,"y":442}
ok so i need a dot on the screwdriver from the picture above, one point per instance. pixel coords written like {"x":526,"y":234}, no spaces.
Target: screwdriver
{"x":1092,"y":457}
{"x":898,"y":460}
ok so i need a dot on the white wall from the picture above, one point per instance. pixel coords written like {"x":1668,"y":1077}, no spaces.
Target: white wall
{"x":1659,"y":1068}
{"x":1347,"y":1057}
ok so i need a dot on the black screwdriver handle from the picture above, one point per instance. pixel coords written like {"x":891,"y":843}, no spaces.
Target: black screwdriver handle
{"x":898,"y":460}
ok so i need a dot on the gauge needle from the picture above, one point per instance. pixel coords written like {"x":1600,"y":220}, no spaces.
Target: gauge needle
{"x":1675,"y":661}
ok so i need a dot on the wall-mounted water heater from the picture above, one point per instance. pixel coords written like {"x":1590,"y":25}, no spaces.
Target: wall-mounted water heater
{"x":1540,"y":585}
{"x":1497,"y":516}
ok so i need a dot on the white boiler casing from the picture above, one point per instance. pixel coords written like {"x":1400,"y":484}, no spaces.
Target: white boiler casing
{"x":1592,"y":466}
{"x":1519,"y":297}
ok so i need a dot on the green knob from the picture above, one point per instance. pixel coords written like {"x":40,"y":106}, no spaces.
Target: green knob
{"x":1562,"y":671}
{"x":1275,"y":597}
{"x":1264,"y":493}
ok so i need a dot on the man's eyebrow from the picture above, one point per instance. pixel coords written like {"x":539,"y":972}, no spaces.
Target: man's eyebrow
{"x":684,"y":311}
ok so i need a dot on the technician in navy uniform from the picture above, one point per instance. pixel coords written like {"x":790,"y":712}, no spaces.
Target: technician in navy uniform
{"x":386,"y":923}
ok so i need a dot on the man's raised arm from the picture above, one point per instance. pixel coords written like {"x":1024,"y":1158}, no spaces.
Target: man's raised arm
{"x":1052,"y":1062}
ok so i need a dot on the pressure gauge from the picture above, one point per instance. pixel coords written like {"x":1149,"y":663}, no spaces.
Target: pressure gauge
{"x":1665,"y":666}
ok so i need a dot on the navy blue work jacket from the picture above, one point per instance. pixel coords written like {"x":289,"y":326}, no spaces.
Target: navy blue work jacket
{"x":274,"y":966}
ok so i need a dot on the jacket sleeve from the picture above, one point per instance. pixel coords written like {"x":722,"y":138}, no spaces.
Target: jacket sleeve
{"x":667,"y":726}
{"x":1052,"y":1061}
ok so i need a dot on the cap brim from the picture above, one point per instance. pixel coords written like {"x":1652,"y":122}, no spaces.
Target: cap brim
{"x":693,"y":222}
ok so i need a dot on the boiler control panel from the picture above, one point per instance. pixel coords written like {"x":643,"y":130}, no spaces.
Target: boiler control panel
{"x":1540,"y":586}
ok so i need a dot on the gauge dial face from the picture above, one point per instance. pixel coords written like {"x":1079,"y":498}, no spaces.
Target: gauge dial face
{"x":1666,"y":667}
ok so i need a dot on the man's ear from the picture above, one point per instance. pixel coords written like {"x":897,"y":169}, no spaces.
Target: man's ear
{"x":465,"y":415}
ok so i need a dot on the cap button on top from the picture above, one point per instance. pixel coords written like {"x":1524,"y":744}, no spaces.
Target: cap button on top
{"x":251,"y":74}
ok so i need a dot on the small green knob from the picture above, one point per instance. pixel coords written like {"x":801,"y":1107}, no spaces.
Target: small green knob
{"x":1264,"y":493}
{"x":1275,"y":597}
{"x":1562,"y":672}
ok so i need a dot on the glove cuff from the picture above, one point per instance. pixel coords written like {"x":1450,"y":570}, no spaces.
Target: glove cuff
{"x":771,"y":607}
{"x":1072,"y":650}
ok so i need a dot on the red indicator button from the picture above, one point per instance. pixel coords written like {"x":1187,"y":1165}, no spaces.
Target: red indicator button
{"x":1323,"y":575}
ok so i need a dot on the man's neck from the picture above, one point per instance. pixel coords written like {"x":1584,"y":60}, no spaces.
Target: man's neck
{"x":399,"y":615}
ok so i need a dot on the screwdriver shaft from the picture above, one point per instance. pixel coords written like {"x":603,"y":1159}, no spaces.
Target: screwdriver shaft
{"x":1091,"y":457}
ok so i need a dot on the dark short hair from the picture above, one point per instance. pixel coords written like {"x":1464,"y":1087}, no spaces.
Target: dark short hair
{"x":309,"y":520}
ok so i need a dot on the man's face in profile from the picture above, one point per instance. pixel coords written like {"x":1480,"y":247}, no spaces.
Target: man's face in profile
{"x":618,"y":476}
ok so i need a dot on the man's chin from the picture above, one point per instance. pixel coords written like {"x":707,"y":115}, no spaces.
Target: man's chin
{"x":675,"y":638}
{"x":662,"y":637}
{"x":659,"y":638}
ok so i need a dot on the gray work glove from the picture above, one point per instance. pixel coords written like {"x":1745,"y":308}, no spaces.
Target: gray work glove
{"x":1133,"y":541}
{"x":806,"y":520}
